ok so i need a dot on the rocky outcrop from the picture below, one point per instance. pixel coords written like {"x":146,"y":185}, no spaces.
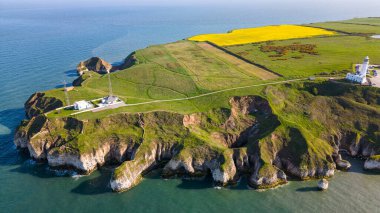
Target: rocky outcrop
{"x":88,"y":162}
{"x":221,"y":166}
{"x":94,"y":64}
{"x":323,"y":184}
{"x":130,"y":172}
{"x":58,"y":142}
{"x":372,"y":163}
{"x":325,"y":170}
{"x":39,"y":103}
{"x":267,"y":176}
{"x":340,"y":163}
{"x":129,"y":61}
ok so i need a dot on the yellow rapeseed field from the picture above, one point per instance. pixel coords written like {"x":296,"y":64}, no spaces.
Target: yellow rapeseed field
{"x":260,"y":34}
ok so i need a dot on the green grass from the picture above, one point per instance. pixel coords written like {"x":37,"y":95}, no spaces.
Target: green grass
{"x":176,"y":70}
{"x":183,"y":69}
{"x":335,"y":53}
{"x":375,"y":157}
{"x":366,"y":21}
{"x":355,"y":26}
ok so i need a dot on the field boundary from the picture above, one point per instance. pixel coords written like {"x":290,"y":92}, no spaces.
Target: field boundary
{"x":243,"y":59}
{"x":241,"y":65}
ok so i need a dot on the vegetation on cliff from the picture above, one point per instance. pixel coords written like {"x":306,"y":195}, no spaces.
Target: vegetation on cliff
{"x":266,"y":131}
{"x":287,"y":129}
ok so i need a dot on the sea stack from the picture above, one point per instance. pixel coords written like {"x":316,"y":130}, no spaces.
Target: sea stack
{"x":323,"y":184}
{"x":94,"y":64}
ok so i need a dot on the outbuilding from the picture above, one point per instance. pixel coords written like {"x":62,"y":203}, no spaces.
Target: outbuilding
{"x":110,"y":100}
{"x":81,"y":105}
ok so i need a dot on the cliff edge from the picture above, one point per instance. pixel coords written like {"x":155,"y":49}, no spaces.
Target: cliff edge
{"x":286,"y":131}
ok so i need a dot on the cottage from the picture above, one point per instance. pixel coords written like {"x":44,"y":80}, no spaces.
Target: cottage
{"x":81,"y":105}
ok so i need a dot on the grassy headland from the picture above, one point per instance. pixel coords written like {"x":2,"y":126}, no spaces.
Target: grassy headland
{"x":184,"y":107}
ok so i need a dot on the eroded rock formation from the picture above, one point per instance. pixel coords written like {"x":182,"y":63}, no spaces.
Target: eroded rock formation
{"x":94,"y":64}
{"x":246,"y":139}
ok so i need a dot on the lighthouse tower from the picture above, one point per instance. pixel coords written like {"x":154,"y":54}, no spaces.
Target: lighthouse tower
{"x":361,"y":75}
{"x":364,"y":67}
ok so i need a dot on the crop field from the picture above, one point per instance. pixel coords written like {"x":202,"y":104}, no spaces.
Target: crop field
{"x":336,"y":53}
{"x":261,"y":34}
{"x":317,"y":55}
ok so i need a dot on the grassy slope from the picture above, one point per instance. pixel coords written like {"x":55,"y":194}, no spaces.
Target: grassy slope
{"x":176,"y":70}
{"x":308,"y":121}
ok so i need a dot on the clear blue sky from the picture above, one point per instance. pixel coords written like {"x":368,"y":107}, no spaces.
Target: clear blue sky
{"x":360,"y":4}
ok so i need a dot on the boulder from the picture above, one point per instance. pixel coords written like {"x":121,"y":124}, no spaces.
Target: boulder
{"x":373,"y":163}
{"x":343,"y":164}
{"x":323,"y":184}
{"x":340,"y":163}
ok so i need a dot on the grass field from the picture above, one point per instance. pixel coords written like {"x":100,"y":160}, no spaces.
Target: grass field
{"x":333,"y":54}
{"x":336,"y":53}
{"x":365,"y":21}
{"x":357,"y":26}
{"x":245,"y":67}
{"x":260,"y":34}
{"x":175,"y":70}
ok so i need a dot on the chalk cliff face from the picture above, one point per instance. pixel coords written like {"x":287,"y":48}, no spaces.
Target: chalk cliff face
{"x":246,"y":139}
{"x":60,"y":142}
{"x":94,"y":64}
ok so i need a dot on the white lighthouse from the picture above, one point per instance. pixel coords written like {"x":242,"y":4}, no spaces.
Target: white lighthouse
{"x":364,"y":67}
{"x":360,"y":76}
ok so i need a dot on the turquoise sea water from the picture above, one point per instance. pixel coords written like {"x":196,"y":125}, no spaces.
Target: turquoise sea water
{"x":39,"y":48}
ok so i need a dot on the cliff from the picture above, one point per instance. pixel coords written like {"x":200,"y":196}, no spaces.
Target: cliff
{"x":287,"y":131}
{"x":39,"y":103}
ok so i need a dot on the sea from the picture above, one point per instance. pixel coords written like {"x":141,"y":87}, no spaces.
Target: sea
{"x":40,"y":48}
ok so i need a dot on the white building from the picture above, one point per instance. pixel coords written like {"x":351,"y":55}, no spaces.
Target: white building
{"x":110,"y":100}
{"x":80,"y":105}
{"x":361,"y":75}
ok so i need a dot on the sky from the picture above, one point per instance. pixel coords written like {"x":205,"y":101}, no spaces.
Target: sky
{"x":360,"y":4}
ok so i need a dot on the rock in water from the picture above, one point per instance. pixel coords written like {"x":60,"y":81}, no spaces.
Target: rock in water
{"x":373,"y":163}
{"x":94,"y":64}
{"x":323,"y":184}
{"x":341,"y":164}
